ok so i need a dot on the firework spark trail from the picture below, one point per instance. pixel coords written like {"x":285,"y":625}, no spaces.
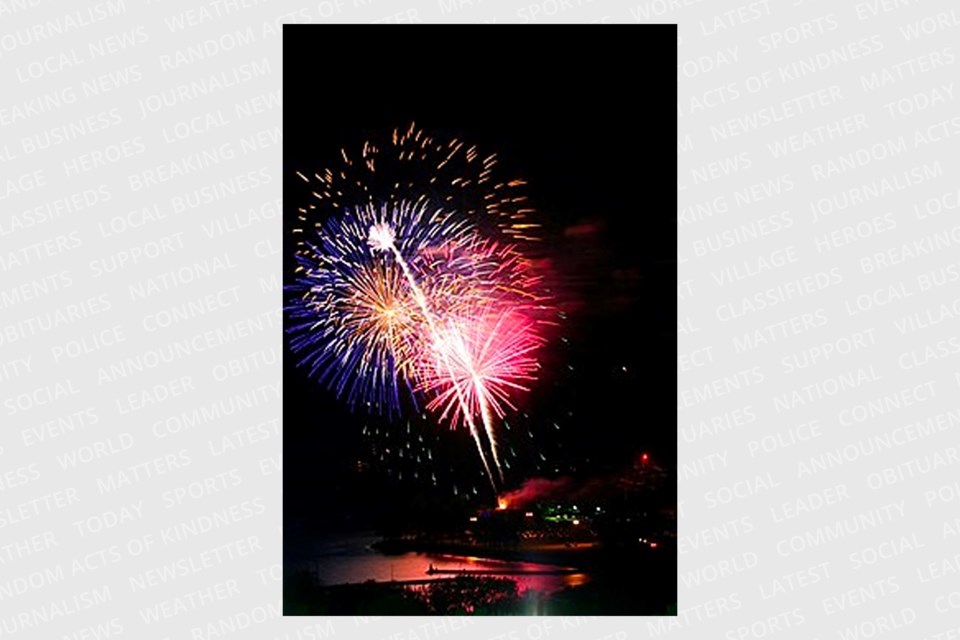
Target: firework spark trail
{"x":382,"y":239}
{"x":481,"y":392}
{"x":485,"y":356}
{"x":487,"y":422}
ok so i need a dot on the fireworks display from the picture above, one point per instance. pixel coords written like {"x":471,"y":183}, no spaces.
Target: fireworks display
{"x":412,"y":288}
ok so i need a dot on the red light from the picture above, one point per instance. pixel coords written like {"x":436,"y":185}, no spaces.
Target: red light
{"x":653,"y":545}
{"x":644,"y":457}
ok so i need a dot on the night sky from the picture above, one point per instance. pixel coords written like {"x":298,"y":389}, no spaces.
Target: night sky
{"x":592,"y":131}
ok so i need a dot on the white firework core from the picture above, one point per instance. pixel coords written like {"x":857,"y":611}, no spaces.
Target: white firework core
{"x":381,"y":237}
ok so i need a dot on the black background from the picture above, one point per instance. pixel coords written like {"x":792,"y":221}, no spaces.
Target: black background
{"x":586,"y":115}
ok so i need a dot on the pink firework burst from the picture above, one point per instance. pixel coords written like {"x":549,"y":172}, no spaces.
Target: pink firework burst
{"x":478,"y":361}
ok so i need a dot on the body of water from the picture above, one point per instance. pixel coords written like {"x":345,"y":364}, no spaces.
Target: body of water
{"x":352,"y":560}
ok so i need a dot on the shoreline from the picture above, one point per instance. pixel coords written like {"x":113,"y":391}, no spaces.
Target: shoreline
{"x":581,"y":556}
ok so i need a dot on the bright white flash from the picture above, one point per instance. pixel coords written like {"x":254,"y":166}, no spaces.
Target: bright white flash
{"x":381,"y":237}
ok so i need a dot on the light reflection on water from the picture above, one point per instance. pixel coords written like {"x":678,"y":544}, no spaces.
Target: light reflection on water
{"x":351,"y":560}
